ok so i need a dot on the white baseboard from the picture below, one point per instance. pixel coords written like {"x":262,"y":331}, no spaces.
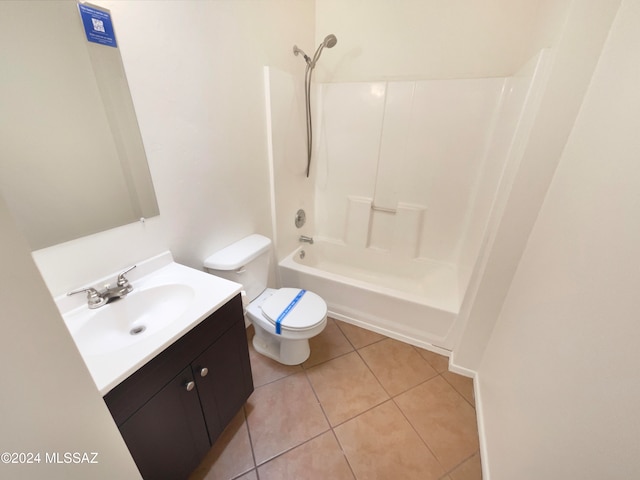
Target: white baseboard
{"x":368,"y":325}
{"x":453,"y":367}
{"x":484,"y":455}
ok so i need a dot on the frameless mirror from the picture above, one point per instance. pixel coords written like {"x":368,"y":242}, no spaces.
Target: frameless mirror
{"x":72,"y":161}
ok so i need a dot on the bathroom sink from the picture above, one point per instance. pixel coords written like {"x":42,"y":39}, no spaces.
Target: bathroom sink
{"x":133,"y":318}
{"x":167,"y":301}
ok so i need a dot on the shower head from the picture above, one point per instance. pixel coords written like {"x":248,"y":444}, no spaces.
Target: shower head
{"x":328,"y":42}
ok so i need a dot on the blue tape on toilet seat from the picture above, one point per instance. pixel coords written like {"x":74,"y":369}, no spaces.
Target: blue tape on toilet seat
{"x":287,"y":310}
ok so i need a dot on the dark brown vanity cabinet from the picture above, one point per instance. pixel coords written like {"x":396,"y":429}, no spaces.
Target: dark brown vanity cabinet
{"x":175,"y":407}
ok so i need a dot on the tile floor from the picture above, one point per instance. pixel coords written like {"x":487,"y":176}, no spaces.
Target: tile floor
{"x":363,"y":406}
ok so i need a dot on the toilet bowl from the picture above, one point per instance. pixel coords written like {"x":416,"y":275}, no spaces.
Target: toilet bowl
{"x":284,"y":319}
{"x":305,"y":320}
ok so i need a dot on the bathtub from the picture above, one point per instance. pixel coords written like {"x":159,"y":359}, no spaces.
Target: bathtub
{"x":412,"y":300}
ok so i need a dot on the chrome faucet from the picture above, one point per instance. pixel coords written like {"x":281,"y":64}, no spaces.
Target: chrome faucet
{"x":97,"y":298}
{"x":305,"y":239}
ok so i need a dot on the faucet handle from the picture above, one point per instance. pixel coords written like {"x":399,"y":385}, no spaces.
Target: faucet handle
{"x":122,"y":280}
{"x":91,"y":292}
{"x":94,"y":299}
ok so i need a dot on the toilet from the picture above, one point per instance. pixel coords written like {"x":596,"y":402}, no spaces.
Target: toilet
{"x":284,"y":319}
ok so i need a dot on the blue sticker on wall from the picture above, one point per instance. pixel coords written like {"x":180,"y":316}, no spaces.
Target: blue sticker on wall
{"x":97,"y":25}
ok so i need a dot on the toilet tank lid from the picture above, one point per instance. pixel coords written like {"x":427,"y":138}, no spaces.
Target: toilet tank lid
{"x":239,"y":253}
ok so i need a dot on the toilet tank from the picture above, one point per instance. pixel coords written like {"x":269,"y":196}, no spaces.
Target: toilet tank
{"x":246,"y":262}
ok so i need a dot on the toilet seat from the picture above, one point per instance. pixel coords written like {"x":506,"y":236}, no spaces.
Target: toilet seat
{"x":307,"y":312}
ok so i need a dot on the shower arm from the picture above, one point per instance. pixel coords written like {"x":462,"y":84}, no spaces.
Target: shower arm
{"x":298,"y":51}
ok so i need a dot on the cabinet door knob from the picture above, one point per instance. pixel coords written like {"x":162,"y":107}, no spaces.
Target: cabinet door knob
{"x":189,"y":385}
{"x":204,"y":371}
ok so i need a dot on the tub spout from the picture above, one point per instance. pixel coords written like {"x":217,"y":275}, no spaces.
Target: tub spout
{"x":305,"y":239}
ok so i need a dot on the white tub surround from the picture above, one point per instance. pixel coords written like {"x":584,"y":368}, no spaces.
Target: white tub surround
{"x":358,"y":222}
{"x":109,"y":366}
{"x":409,"y":174}
{"x":413,"y":151}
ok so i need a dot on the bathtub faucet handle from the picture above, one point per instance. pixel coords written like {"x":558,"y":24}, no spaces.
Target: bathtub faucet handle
{"x":305,"y":239}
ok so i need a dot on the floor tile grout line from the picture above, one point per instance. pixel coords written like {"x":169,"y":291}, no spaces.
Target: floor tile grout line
{"x":345,"y":335}
{"x":417,"y":384}
{"x":302,"y":443}
{"x":419,"y":349}
{"x":324,"y":361}
{"x":344,"y":454}
{"x":332,"y":427}
{"x":337,"y":356}
{"x":422,"y":382}
{"x":253,"y":453}
{"x":315,"y":394}
{"x":357,"y":351}
{"x":254,"y":469}
{"x":277,"y":379}
{"x":364,"y":411}
{"x":477,"y":452}
{"x":373,"y":373}
{"x":458,"y":391}
{"x":420,"y":436}
{"x":382,"y":385}
{"x":361,"y":413}
{"x":284,"y":452}
{"x":441,"y":374}
{"x":374,"y":377}
{"x":447,"y":472}
{"x":338,"y":322}
{"x":392,"y":398}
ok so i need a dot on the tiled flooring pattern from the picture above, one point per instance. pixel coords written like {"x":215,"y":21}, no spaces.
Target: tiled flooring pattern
{"x":363,"y":406}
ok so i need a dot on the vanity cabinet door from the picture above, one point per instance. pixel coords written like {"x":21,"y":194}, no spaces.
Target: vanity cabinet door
{"x":169,"y":428}
{"x":223,"y":376}
{"x":167,"y":437}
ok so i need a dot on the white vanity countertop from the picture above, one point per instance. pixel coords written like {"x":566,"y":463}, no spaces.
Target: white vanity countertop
{"x":110,"y":363}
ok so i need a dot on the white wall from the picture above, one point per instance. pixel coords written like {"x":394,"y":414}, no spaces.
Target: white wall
{"x":574,"y":58}
{"x":559,"y":377}
{"x":195,"y":73}
{"x":400,"y":39}
{"x":291,"y":189}
{"x":49,"y":401}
